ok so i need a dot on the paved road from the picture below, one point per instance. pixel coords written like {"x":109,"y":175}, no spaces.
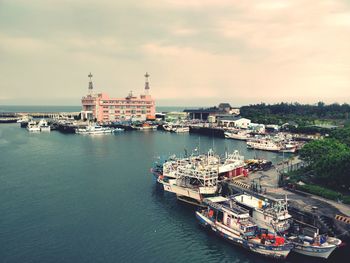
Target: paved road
{"x":328,"y":207}
{"x":269,"y":181}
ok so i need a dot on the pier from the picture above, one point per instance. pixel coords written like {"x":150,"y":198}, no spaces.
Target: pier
{"x":330,"y":216}
{"x":49,"y":115}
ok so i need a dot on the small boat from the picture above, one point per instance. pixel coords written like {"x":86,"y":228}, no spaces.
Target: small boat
{"x":118,"y":130}
{"x":33,"y":127}
{"x":321,"y":246}
{"x":94,"y":129}
{"x":240,"y":135}
{"x":145,"y":127}
{"x":23,"y":119}
{"x":263,"y":144}
{"x":167,"y":127}
{"x":43,"y":125}
{"x":233,"y":223}
{"x":180,"y":129}
{"x":290,"y":147}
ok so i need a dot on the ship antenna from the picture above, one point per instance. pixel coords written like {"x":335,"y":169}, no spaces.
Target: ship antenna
{"x":147,"y":83}
{"x":212,"y":136}
{"x":199,"y":145}
{"x":90,"y":84}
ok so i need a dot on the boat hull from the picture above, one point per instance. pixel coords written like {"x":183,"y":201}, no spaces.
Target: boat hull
{"x":312,"y":251}
{"x":265,"y":250}
{"x":236,"y":136}
{"x":34,"y":129}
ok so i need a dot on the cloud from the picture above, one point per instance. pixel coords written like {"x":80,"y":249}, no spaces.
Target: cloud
{"x":203,"y":50}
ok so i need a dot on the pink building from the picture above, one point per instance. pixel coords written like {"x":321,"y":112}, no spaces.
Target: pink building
{"x":106,"y":109}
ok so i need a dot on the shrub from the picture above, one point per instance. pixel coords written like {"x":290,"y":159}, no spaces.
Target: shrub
{"x":321,"y":191}
{"x":346,"y":199}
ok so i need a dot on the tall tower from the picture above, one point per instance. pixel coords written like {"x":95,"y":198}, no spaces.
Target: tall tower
{"x":147,"y":84}
{"x":91,"y":87}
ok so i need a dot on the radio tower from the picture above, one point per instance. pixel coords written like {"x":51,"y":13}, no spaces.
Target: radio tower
{"x":147,"y":84}
{"x":90,"y":84}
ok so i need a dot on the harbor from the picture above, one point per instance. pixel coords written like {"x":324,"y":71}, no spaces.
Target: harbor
{"x":174,"y":131}
{"x":223,"y":163}
{"x":76,"y":175}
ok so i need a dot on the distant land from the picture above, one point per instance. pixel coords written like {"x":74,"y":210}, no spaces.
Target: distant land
{"x":58,"y":108}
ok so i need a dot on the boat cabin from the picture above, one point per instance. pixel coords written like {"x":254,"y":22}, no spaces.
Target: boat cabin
{"x":224,"y":211}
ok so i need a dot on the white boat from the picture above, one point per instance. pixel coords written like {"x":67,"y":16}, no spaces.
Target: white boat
{"x":94,"y":129}
{"x":180,"y":129}
{"x":264,"y":144}
{"x":272,"y":215}
{"x":33,"y":127}
{"x":196,"y":177}
{"x":192,"y":182}
{"x":118,"y":130}
{"x":24,"y":119}
{"x":145,"y":127}
{"x":43,"y":125}
{"x":167,"y":127}
{"x":320,"y":246}
{"x":275,"y":218}
{"x":240,"y":135}
{"x":289,"y":148}
{"x":233,"y":223}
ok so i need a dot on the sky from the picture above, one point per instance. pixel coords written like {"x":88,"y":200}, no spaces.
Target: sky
{"x":198,"y":52}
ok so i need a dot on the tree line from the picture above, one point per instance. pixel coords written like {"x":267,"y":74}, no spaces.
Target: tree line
{"x":329,"y":159}
{"x":302,"y":114}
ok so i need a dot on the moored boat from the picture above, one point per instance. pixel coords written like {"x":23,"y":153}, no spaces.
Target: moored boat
{"x":264,"y":145}
{"x":233,"y":223}
{"x":273,"y":215}
{"x":239,"y":135}
{"x":43,"y":125}
{"x":94,"y":129}
{"x":24,"y":119}
{"x":321,"y":246}
{"x":270,"y":214}
{"x":33,"y":127}
{"x":197,"y":176}
{"x":180,"y":129}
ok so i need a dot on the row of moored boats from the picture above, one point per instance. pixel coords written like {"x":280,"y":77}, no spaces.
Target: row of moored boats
{"x":278,"y":143}
{"x":90,"y":129}
{"x":263,"y":226}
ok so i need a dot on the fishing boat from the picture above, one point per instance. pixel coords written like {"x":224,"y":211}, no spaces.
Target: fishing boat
{"x":239,"y":135}
{"x":167,"y":127}
{"x":273,"y":215}
{"x":94,"y":129}
{"x":270,"y":214}
{"x":234,"y":224}
{"x":24,"y":119}
{"x":264,"y":144}
{"x":196,"y":177}
{"x":289,"y":147}
{"x":43,"y":125}
{"x":33,"y":127}
{"x":118,"y":130}
{"x":180,"y":129}
{"x":320,"y":246}
{"x":193,"y":180}
{"x":145,"y":127}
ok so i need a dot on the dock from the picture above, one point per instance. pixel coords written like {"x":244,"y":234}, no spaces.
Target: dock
{"x":330,"y":216}
{"x":49,"y":115}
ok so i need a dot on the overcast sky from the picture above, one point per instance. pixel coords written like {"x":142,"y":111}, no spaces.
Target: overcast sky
{"x":198,"y":52}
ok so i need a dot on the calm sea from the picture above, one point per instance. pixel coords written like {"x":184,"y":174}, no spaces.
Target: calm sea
{"x":71,"y":198}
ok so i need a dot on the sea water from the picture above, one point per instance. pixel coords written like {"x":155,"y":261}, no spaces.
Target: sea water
{"x":76,"y":198}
